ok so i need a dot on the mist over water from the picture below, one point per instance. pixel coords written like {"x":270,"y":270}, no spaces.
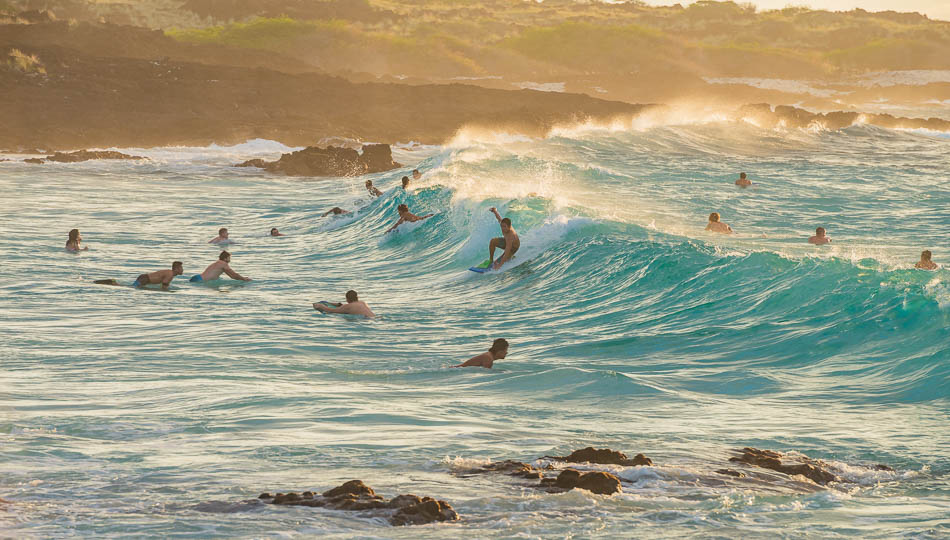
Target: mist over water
{"x":128,"y":412}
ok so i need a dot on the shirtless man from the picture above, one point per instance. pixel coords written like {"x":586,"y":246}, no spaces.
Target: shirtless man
{"x":353,"y":306}
{"x":715,"y":225}
{"x":925,"y":263}
{"x":406,"y":216}
{"x":508,"y":241}
{"x":743,"y":181}
{"x":275,"y":232}
{"x":405,"y":183}
{"x":163,"y":277}
{"x":819,"y":237}
{"x":372,"y":190}
{"x":222,"y":237}
{"x":498,"y":350}
{"x":336,"y":211}
{"x":218,"y":267}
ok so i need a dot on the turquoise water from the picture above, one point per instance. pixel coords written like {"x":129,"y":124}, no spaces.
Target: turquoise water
{"x":127,"y":412}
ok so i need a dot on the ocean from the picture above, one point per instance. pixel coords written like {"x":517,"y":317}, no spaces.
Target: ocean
{"x":144,"y":413}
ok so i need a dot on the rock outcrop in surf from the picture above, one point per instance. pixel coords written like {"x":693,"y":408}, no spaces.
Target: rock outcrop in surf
{"x":815,"y":470}
{"x":603,"y":456}
{"x":82,"y":155}
{"x":330,"y":161}
{"x":764,"y":115}
{"x":356,"y":496}
{"x":556,"y":480}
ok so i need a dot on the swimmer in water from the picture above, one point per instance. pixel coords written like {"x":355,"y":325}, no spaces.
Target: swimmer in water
{"x":498,"y":350}
{"x":743,"y":181}
{"x":819,"y":237}
{"x":353,"y":306}
{"x":715,"y":225}
{"x":163,"y":277}
{"x":925,"y":262}
{"x":405,"y":183}
{"x":372,"y":190}
{"x":222,"y":237}
{"x":73,"y":243}
{"x":218,"y":267}
{"x":406,"y":216}
{"x":275,"y":232}
{"x":416,"y":175}
{"x":508,"y":241}
{"x":336,"y":210}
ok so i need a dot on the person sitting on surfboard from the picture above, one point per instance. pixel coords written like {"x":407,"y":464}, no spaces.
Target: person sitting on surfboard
{"x":372,"y":189}
{"x":406,"y":216}
{"x":222,"y":237}
{"x":820,"y":237}
{"x":218,"y":267}
{"x":715,"y":225}
{"x":164,"y":277}
{"x":925,"y":262}
{"x":508,"y":241}
{"x":498,"y":350}
{"x":353,"y":306}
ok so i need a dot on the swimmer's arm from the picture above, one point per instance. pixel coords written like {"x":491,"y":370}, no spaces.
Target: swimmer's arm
{"x":328,"y":309}
{"x":475,"y":361}
{"x":398,"y":223}
{"x":233,"y":274}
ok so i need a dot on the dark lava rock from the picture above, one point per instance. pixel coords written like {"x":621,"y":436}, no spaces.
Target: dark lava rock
{"x":330,"y":161}
{"x":603,"y":456}
{"x":815,"y":470}
{"x":730,"y":472}
{"x":86,"y":155}
{"x":882,"y":467}
{"x":356,"y":496}
{"x":599,"y":482}
{"x":35,"y":161}
{"x":511,"y":468}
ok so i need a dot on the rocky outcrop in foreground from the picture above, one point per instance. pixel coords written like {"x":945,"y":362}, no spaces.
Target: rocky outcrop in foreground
{"x":358,"y":497}
{"x":330,"y":161}
{"x":82,"y":155}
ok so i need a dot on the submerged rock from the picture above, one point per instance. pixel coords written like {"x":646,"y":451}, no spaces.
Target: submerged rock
{"x":815,"y":470}
{"x":330,"y":161}
{"x":86,"y":155}
{"x":357,"y":496}
{"x":603,"y":456}
{"x":35,"y":161}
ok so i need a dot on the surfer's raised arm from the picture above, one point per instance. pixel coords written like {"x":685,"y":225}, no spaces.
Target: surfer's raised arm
{"x":494,"y":210}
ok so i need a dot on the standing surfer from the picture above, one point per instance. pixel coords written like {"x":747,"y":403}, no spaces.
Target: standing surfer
{"x":508,"y":241}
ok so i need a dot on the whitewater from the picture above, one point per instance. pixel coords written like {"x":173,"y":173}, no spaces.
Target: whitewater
{"x":126,"y":412}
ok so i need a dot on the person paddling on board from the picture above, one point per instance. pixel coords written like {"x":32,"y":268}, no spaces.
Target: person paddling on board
{"x":163,"y":277}
{"x":406,"y":216}
{"x":498,"y":350}
{"x":218,"y":267}
{"x":508,"y":241}
{"x":353,"y":306}
{"x":820,"y":237}
{"x":743,"y":181}
{"x":336,"y":210}
{"x":925,"y":262}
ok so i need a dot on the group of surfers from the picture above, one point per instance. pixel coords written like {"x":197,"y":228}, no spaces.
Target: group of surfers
{"x":820,"y":238}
